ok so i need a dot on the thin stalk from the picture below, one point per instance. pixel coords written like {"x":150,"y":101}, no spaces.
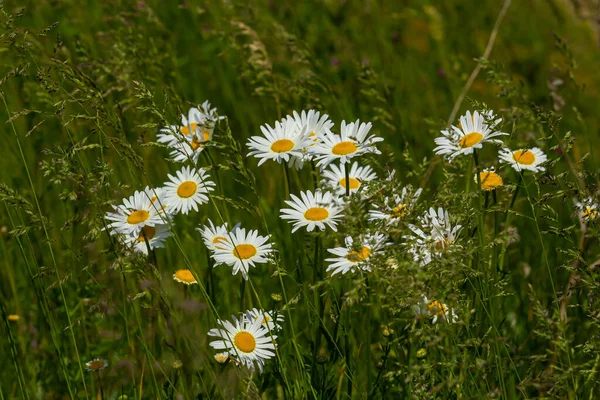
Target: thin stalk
{"x":500,"y":265}
{"x":288,"y":184}
{"x":347,"y":171}
{"x":316,"y":278}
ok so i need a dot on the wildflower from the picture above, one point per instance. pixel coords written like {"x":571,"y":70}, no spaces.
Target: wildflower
{"x":490,"y":180}
{"x":137,"y":211}
{"x":244,"y":251}
{"x":184,"y":276}
{"x":222,"y":358}
{"x":157,"y":199}
{"x":96,"y":365}
{"x":312,"y":210}
{"x":336,"y":177}
{"x":313,"y":122}
{"x":351,"y":142}
{"x":421,"y":353}
{"x":13,"y":318}
{"x":352,"y":258}
{"x":285,"y":142}
{"x":587,"y":209}
{"x":436,"y":310}
{"x":199,"y":124}
{"x":246,"y":339}
{"x":156,"y":236}
{"x":440,"y":236}
{"x":270,"y":319}
{"x":394,"y":210}
{"x":276,"y":297}
{"x":472,"y":132}
{"x":188,"y":189}
{"x":213,"y":235}
{"x":524,"y":159}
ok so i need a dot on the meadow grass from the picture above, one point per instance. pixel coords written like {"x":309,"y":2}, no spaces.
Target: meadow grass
{"x":85,"y":90}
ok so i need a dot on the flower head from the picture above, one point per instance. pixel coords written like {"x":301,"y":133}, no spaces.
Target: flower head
{"x":587,"y":209}
{"x":188,"y":189}
{"x":358,"y":257}
{"x":436,"y":310}
{"x":136,"y":211}
{"x":155,"y":235}
{"x":312,"y":210}
{"x":490,"y":180}
{"x":394,"y":210}
{"x":213,"y":235}
{"x":524,"y":159}
{"x":243,"y":251}
{"x":246,"y":339}
{"x":335,"y":177}
{"x":185,"y":276}
{"x":97,"y":364}
{"x":269,"y":319}
{"x":471,"y":133}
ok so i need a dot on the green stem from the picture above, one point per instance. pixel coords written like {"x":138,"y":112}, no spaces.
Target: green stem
{"x":500,"y":265}
{"x":347,"y":171}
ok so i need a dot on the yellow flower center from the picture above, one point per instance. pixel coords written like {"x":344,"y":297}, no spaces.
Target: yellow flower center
{"x":470,"y":139}
{"x":282,"y":146}
{"x":399,"y":211}
{"x":13,"y":317}
{"x":358,"y":256}
{"x":436,"y":308}
{"x":186,"y":129}
{"x":96,"y":364}
{"x":137,"y":217}
{"x":185,"y":276}
{"x":316,"y":214}
{"x":244,"y":251}
{"x":525,"y":157}
{"x":312,"y":134}
{"x":244,"y":341}
{"x":196,"y":143}
{"x":590,"y":213}
{"x":187,"y":189}
{"x":221,"y":358}
{"x":354,"y":183}
{"x":490,"y":180}
{"x":205,"y":136}
{"x":148,"y":232}
{"x":442,"y":244}
{"x":343,"y":148}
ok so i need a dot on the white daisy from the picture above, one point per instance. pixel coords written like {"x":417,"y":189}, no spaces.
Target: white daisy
{"x":199,"y":123}
{"x":188,"y":189}
{"x":243,"y":251}
{"x":524,"y":159}
{"x":440,"y":237}
{"x":336,"y":177}
{"x":158,"y":199}
{"x":351,"y":142}
{"x":394,"y":210}
{"x":587,"y":209}
{"x":352,"y":258}
{"x":312,"y":122}
{"x":270,"y":319}
{"x":213,"y":235}
{"x":156,"y":236}
{"x":281,"y":143}
{"x":96,"y":365}
{"x":135,"y":212}
{"x":312,"y":210}
{"x":246,"y":339}
{"x":436,"y":310}
{"x":472,"y":132}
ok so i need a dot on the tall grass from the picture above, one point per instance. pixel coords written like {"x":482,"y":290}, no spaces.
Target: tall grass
{"x":85,"y":91}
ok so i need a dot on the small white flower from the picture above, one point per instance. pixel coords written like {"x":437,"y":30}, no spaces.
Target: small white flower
{"x":96,"y":365}
{"x":312,"y":210}
{"x":437,"y":310}
{"x":524,"y":159}
{"x":395,"y":210}
{"x":246,"y":339}
{"x":312,"y":122}
{"x":472,"y":132}
{"x":355,"y":258}
{"x":156,"y":236}
{"x":587,"y":209}
{"x":335,"y":177}
{"x":137,"y":211}
{"x":213,"y":235}
{"x":243,"y":251}
{"x":270,"y":319}
{"x":352,"y":141}
{"x":281,"y":143}
{"x":188,"y":190}
{"x":198,"y":124}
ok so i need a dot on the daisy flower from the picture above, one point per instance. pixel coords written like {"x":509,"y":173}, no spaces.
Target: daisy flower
{"x":524,"y":159}
{"x":246,"y":339}
{"x":222,"y":358}
{"x":490,"y":180}
{"x":587,"y":209}
{"x":352,"y":258}
{"x":281,"y":143}
{"x":351,"y":142}
{"x":135,"y":212}
{"x":436,"y":310}
{"x":184,"y":276}
{"x":199,"y":124}
{"x":312,"y":122}
{"x":270,"y":319}
{"x":472,"y":132}
{"x":440,"y":236}
{"x":156,"y":236}
{"x":336,"y":177}
{"x":213,"y":235}
{"x":157,"y":199}
{"x":188,"y":189}
{"x":394,"y":210}
{"x":243,"y":251}
{"x":96,"y":365}
{"x":312,"y":210}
